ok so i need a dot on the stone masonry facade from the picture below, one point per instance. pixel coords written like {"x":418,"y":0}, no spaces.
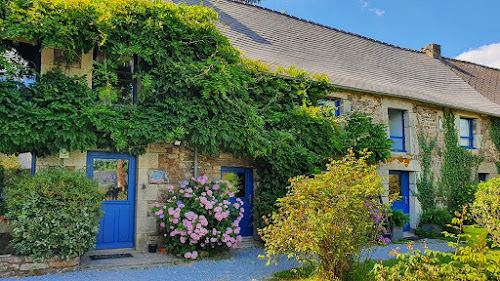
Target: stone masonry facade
{"x":423,"y":119}
{"x":178,"y":161}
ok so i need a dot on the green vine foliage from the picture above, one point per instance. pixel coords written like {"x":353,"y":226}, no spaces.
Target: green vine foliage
{"x":194,"y":87}
{"x":458,"y":180}
{"x":426,"y":192}
{"x":495,"y":134}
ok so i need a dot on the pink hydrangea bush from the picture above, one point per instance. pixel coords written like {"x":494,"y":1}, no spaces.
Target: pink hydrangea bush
{"x":198,"y":217}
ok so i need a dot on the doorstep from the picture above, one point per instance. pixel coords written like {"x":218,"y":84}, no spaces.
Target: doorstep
{"x":249,"y":242}
{"x":409,"y":234}
{"x":137,"y":261}
{"x":141,"y":260}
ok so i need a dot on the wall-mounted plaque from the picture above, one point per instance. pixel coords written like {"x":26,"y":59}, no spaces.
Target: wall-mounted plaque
{"x":63,"y":153}
{"x":158,"y":176}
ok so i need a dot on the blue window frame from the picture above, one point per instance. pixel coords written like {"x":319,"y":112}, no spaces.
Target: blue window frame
{"x":466,"y":135}
{"x":331,"y":104}
{"x":397,"y":129}
{"x":482,"y":177}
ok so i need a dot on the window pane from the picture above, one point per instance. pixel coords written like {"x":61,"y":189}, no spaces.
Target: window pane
{"x":24,"y":57}
{"x":397,"y":144}
{"x":482,"y":177}
{"x":124,"y":84}
{"x":465,"y":142}
{"x":394,"y":184}
{"x":112,"y":176}
{"x":237,"y":180}
{"x":465,"y":127}
{"x":396,"y":123}
{"x":332,"y":105}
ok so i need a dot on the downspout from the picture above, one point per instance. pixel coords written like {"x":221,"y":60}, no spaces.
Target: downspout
{"x":195,"y":162}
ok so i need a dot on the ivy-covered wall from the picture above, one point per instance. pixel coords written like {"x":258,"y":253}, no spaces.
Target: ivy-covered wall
{"x":426,"y":120}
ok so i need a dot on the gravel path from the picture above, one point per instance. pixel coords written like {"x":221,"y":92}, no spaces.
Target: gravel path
{"x":242,"y":265}
{"x":382,"y":252}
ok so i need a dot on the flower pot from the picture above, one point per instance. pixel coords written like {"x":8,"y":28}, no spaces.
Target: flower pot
{"x":152,"y":248}
{"x":396,"y":233}
{"x":432,"y":227}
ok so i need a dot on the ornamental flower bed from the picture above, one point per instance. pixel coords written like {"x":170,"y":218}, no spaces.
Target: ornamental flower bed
{"x":198,"y":218}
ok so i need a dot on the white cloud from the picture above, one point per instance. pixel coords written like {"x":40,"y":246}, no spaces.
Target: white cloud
{"x":379,"y":12}
{"x":487,"y":55}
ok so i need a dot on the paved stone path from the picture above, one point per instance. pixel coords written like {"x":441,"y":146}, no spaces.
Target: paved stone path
{"x":240,"y":265}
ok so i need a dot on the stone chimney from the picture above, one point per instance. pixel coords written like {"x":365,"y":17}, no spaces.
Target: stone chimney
{"x":432,"y":50}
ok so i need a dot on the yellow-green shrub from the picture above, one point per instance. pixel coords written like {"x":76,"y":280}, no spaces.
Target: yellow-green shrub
{"x":476,"y":262}
{"x":486,"y":208}
{"x":330,"y":217}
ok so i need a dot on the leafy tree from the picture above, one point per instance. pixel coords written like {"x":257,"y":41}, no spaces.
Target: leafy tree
{"x":329,"y":217}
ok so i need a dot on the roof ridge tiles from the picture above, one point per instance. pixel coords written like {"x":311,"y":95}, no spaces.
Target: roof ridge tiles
{"x":325,"y":26}
{"x":474,"y":63}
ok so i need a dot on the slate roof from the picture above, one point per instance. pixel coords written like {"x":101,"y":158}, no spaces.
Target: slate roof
{"x":486,"y":80}
{"x":350,"y":60}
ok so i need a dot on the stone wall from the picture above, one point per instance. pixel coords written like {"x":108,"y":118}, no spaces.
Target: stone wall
{"x":178,"y":161}
{"x":423,"y":119}
{"x":18,"y":266}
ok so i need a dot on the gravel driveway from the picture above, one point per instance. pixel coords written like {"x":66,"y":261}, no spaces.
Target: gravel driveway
{"x":242,"y":265}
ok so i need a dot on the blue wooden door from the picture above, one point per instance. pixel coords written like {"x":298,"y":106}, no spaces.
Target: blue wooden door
{"x":399,"y":183}
{"x":115,"y":174}
{"x":242,"y":179}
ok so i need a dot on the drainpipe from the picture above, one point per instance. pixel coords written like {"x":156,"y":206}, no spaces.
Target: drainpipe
{"x":196,"y":162}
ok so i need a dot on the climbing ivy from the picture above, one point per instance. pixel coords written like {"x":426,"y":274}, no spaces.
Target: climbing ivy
{"x":195,"y":87}
{"x":458,"y":179}
{"x":426,"y":192}
{"x":495,"y":135}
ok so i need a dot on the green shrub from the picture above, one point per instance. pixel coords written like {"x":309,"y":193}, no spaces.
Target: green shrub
{"x":57,"y":213}
{"x":439,"y":217}
{"x":329,"y":218}
{"x":398,"y":218}
{"x":486,"y":208}
{"x":466,"y":263}
{"x":9,"y":171}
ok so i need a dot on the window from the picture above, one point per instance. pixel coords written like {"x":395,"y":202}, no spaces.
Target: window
{"x":332,"y":105}
{"x":26,"y":61}
{"x":124,"y":82}
{"x":397,"y":129}
{"x":237,"y":180}
{"x":466,"y":136}
{"x":482,"y":177}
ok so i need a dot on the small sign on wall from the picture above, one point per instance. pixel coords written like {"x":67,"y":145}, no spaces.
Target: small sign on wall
{"x":63,"y":153}
{"x":158,"y":176}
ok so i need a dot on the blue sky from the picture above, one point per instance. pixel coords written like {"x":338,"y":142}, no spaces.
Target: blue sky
{"x":462,"y":27}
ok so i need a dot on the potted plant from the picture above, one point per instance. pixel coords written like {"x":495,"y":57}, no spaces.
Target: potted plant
{"x":434,"y":220}
{"x":397,"y":221}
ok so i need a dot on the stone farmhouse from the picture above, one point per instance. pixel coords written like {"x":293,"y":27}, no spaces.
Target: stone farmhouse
{"x":407,"y":89}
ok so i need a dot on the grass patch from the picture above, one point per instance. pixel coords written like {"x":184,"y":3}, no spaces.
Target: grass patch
{"x":360,"y":272}
{"x":298,"y":273}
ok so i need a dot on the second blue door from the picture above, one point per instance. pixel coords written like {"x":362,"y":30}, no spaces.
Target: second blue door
{"x":115,"y":174}
{"x":399,"y":183}
{"x":242,"y":179}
